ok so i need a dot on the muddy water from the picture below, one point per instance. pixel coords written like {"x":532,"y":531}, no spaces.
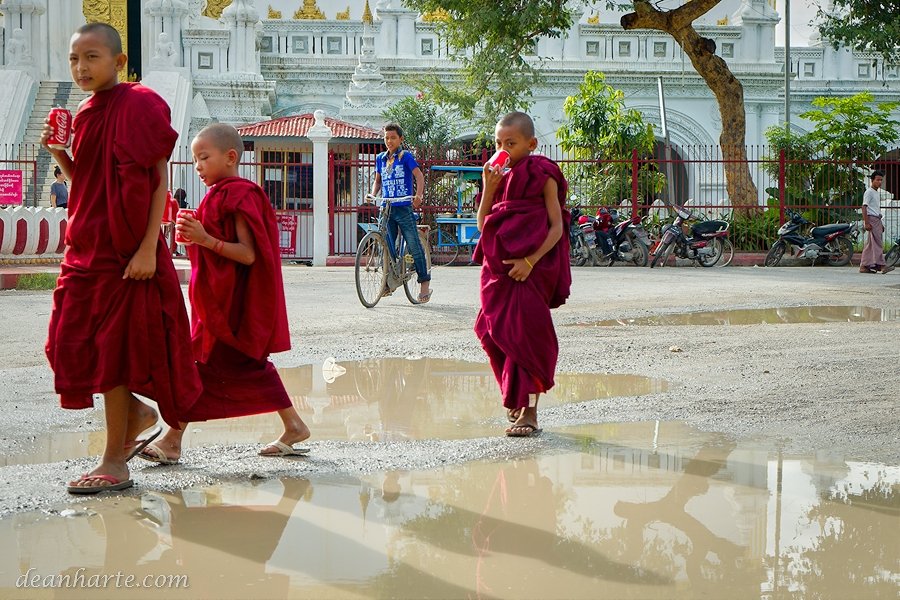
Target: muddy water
{"x":376,"y":399}
{"x":758,"y":316}
{"x":637,"y":510}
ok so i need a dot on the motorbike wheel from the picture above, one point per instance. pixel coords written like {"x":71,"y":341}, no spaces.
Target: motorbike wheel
{"x":893,"y":256}
{"x":662,"y":254}
{"x":640,"y":254}
{"x":775,"y":253}
{"x":845,"y":247}
{"x":710,"y":261}
{"x":727,"y":253}
{"x":579,"y":252}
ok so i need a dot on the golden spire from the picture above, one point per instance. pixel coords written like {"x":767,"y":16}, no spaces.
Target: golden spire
{"x":594,"y":19}
{"x":344,"y":15}
{"x":309,"y":12}
{"x":438,"y":14}
{"x":722,"y":21}
{"x":274,"y":14}
{"x":367,"y":14}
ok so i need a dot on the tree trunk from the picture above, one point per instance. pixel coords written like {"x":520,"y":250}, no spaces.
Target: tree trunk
{"x":721,"y":81}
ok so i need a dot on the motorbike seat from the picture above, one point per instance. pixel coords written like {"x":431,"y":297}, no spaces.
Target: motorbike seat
{"x":826,"y":230}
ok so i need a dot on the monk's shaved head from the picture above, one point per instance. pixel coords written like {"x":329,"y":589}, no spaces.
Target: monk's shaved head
{"x":111,"y":37}
{"x":224,"y":137}
{"x":520,"y":121}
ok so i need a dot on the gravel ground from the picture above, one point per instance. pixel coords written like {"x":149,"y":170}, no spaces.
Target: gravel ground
{"x":805,"y":387}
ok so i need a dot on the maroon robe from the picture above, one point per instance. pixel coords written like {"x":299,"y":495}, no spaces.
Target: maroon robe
{"x":106,"y":331}
{"x":239,"y":315}
{"x":514,"y":323}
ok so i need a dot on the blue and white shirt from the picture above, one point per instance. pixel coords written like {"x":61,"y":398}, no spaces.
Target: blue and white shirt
{"x":397,"y":180}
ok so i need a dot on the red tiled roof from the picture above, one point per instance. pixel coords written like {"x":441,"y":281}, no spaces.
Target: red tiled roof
{"x":299,"y":125}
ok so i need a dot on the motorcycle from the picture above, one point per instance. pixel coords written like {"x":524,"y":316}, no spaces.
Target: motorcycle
{"x":628,"y":240}
{"x":833,"y":242}
{"x":704,"y":246}
{"x":579,"y":250}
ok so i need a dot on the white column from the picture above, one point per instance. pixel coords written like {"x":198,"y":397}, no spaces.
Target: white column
{"x":406,"y":34}
{"x":319,"y":134}
{"x":387,"y":46}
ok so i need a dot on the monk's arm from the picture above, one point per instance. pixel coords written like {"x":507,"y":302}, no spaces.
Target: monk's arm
{"x":491,"y":181}
{"x":143,"y":264}
{"x":521,"y":267}
{"x":60,"y":156}
{"x":241,"y":251}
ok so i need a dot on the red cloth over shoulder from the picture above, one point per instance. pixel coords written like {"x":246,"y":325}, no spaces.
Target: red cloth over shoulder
{"x":256,"y":322}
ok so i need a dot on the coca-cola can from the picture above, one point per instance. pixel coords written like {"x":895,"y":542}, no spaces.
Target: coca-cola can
{"x":181,"y":213}
{"x":60,"y":128}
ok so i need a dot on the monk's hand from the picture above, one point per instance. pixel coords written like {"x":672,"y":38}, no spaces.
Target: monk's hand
{"x":520,"y":269}
{"x":142,"y":265}
{"x":190,"y":229}
{"x":491,"y":179}
{"x":45,"y":134}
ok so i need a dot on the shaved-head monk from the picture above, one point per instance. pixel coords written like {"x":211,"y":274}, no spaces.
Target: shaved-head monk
{"x":118,"y":325}
{"x":524,"y":258}
{"x":238,"y":312}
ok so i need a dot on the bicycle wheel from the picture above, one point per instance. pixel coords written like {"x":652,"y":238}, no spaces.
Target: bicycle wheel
{"x":727,"y":253}
{"x":408,"y":276}
{"x":893,"y":256}
{"x":371,"y":268}
{"x":444,"y":246}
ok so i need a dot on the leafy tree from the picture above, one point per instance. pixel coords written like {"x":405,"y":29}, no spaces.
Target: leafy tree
{"x":867,"y":25}
{"x":493,"y":37}
{"x":601,"y":134}
{"x":424,"y":124}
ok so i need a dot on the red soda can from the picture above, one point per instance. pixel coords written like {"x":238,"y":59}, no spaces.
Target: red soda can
{"x":499,"y":161}
{"x":60,"y":128}
{"x":181,"y":213}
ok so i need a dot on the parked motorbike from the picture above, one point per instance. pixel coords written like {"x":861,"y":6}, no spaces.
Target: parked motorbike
{"x":628,"y":239}
{"x":705,"y":245}
{"x":832,"y":242}
{"x":580,"y":252}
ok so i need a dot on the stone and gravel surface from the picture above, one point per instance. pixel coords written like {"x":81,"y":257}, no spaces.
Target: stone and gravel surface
{"x":802,"y":387}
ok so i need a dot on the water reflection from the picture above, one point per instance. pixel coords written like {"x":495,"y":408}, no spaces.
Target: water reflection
{"x":758,"y":316}
{"x":376,"y":399}
{"x":632,"y":510}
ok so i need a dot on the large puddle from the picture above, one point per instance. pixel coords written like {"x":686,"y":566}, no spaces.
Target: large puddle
{"x":378,"y":400}
{"x":639,"y":510}
{"x":759,"y":316}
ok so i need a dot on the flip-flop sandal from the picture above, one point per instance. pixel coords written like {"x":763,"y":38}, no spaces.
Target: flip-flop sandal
{"x":159,"y":455}
{"x":114,"y":484}
{"x":512,"y":414}
{"x":424,"y":298}
{"x":139,"y":445}
{"x":531,"y":431}
{"x":284,"y":450}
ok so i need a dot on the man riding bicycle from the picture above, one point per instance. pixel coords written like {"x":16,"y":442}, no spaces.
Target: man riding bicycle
{"x":395,"y":170}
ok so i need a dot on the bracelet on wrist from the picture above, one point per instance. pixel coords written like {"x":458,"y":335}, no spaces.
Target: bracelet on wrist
{"x":528,"y":262}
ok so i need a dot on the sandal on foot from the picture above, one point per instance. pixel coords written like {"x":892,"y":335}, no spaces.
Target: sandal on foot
{"x":139,"y":445}
{"x":114,"y":484}
{"x":159,"y":455}
{"x":424,"y":298}
{"x":512,"y":414}
{"x":283,"y":450}
{"x":530,"y":430}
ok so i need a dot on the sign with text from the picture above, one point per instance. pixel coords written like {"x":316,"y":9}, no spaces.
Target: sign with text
{"x":287,"y":234}
{"x":11,"y":188}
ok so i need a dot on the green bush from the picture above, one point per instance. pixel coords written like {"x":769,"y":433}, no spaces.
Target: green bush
{"x":37,"y":281}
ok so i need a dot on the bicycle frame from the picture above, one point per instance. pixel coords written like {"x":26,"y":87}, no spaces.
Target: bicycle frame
{"x":397,"y":273}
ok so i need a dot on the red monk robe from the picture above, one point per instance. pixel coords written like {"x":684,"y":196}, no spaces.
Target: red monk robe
{"x":239,"y":315}
{"x":514,"y":323}
{"x":106,"y":331}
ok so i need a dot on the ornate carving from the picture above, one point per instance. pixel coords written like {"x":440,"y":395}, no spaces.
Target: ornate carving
{"x":274,"y":14}
{"x":436,"y":16}
{"x":309,"y":12}
{"x":722,"y":21}
{"x":594,"y":19}
{"x":367,"y":14}
{"x":96,"y":11}
{"x":214,"y":8}
{"x":111,"y":12}
{"x":344,"y":15}
{"x":17,"y":52}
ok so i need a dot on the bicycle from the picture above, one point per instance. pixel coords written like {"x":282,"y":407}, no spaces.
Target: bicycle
{"x":892,"y":256}
{"x":379,"y":270}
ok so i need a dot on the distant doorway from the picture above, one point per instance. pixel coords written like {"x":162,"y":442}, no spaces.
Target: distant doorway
{"x":125,"y":16}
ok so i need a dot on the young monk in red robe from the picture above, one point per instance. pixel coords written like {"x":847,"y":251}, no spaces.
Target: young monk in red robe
{"x":525,"y":270}
{"x":237,"y":298}
{"x":118,"y":325}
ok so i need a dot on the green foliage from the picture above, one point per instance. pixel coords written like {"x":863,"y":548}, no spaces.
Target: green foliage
{"x":867,"y":25}
{"x":500,"y":73}
{"x":826,"y":166}
{"x":424,"y":124}
{"x":37,"y":281}
{"x":601,"y":134}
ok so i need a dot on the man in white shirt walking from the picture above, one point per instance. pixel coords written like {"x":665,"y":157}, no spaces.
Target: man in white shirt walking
{"x":872,"y":260}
